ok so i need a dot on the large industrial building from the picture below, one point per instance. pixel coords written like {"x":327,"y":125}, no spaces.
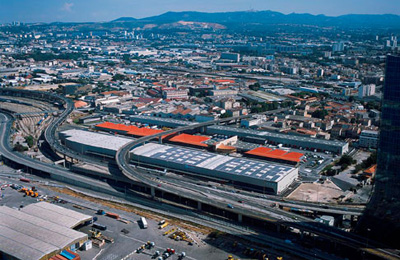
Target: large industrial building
{"x":276,"y":155}
{"x":91,"y":143}
{"x":294,"y":141}
{"x":152,"y":120}
{"x":39,"y":231}
{"x":262,"y":176}
{"x":126,"y":129}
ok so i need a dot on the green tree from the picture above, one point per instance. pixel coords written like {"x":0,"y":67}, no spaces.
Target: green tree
{"x":255,"y":86}
{"x":118,"y":77}
{"x":320,"y":113}
{"x":346,"y":160}
{"x":29,"y":140}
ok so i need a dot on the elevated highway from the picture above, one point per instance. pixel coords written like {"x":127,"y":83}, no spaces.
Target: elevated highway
{"x":63,"y":175}
{"x":271,"y":215}
{"x":279,"y":218}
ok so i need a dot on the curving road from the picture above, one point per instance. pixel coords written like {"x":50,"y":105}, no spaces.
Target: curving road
{"x":281,"y":218}
{"x":122,"y":159}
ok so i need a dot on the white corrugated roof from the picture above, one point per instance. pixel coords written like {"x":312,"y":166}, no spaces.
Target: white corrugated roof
{"x":25,"y":236}
{"x":95,"y":139}
{"x":56,"y":214}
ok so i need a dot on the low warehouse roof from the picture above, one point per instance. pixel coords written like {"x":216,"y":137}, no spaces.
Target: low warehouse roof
{"x":190,"y":139}
{"x":24,"y":236}
{"x":189,"y":158}
{"x":268,"y":153}
{"x":56,"y":214}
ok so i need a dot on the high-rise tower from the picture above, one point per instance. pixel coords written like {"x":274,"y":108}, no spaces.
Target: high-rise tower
{"x":382,"y":216}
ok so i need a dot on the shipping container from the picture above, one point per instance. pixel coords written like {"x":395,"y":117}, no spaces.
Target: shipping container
{"x":58,"y":257}
{"x":99,"y":226}
{"x":24,"y":180}
{"x":68,"y":254}
{"x":112,"y":215}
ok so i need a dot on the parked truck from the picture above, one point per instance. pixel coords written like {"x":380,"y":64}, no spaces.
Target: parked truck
{"x":163,"y":225}
{"x":99,"y":226}
{"x":144,"y":222}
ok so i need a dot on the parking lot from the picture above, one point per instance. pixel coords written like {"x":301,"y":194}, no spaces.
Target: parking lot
{"x":125,"y":243}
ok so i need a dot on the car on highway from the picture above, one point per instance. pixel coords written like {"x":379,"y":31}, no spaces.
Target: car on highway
{"x":230,"y":206}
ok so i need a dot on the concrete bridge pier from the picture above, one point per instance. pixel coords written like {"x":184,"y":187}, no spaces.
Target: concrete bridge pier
{"x":153,"y":192}
{"x":199,"y":205}
{"x":240,"y":218}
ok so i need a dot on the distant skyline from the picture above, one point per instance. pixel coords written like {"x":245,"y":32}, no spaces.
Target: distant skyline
{"x":107,"y":10}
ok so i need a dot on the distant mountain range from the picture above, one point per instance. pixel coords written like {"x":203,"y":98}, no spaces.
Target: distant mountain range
{"x":234,"y":19}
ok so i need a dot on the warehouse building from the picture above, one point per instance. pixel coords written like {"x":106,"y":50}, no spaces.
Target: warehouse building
{"x":276,"y":155}
{"x":126,"y":129}
{"x":190,"y":140}
{"x":39,"y":231}
{"x":85,"y":142}
{"x":293,"y":141}
{"x":369,"y":139}
{"x":152,"y":120}
{"x":253,"y":174}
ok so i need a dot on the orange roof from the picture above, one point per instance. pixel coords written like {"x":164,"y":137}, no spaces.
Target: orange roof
{"x":222,"y":80}
{"x":223,"y":147}
{"x":293,"y":156}
{"x":371,"y":170}
{"x":261,"y":150}
{"x":136,"y":131}
{"x":112,"y":126}
{"x":79,"y":104}
{"x":190,"y":139}
{"x":130,"y":130}
{"x":276,"y":154}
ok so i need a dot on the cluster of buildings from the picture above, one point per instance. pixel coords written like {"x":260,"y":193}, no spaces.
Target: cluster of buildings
{"x":325,"y":93}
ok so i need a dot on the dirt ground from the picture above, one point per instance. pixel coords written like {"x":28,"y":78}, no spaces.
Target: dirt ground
{"x":317,"y":192}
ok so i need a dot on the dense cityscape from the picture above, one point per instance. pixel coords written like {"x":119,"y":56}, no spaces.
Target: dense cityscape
{"x":190,"y":135}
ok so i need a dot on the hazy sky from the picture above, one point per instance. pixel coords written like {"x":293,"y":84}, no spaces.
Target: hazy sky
{"x":106,"y":10}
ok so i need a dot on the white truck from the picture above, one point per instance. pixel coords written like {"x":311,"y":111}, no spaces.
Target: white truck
{"x":144,"y":222}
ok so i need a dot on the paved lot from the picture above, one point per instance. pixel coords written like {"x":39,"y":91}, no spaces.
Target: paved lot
{"x":124,"y":244}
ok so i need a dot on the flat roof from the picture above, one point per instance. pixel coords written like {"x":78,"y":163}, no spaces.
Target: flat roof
{"x":56,"y":214}
{"x":266,"y":134}
{"x":129,"y":129}
{"x":369,"y":132}
{"x":95,"y":139}
{"x":211,"y":161}
{"x":158,"y":119}
{"x":276,"y":154}
{"x":24,"y":236}
{"x":197,"y":140}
